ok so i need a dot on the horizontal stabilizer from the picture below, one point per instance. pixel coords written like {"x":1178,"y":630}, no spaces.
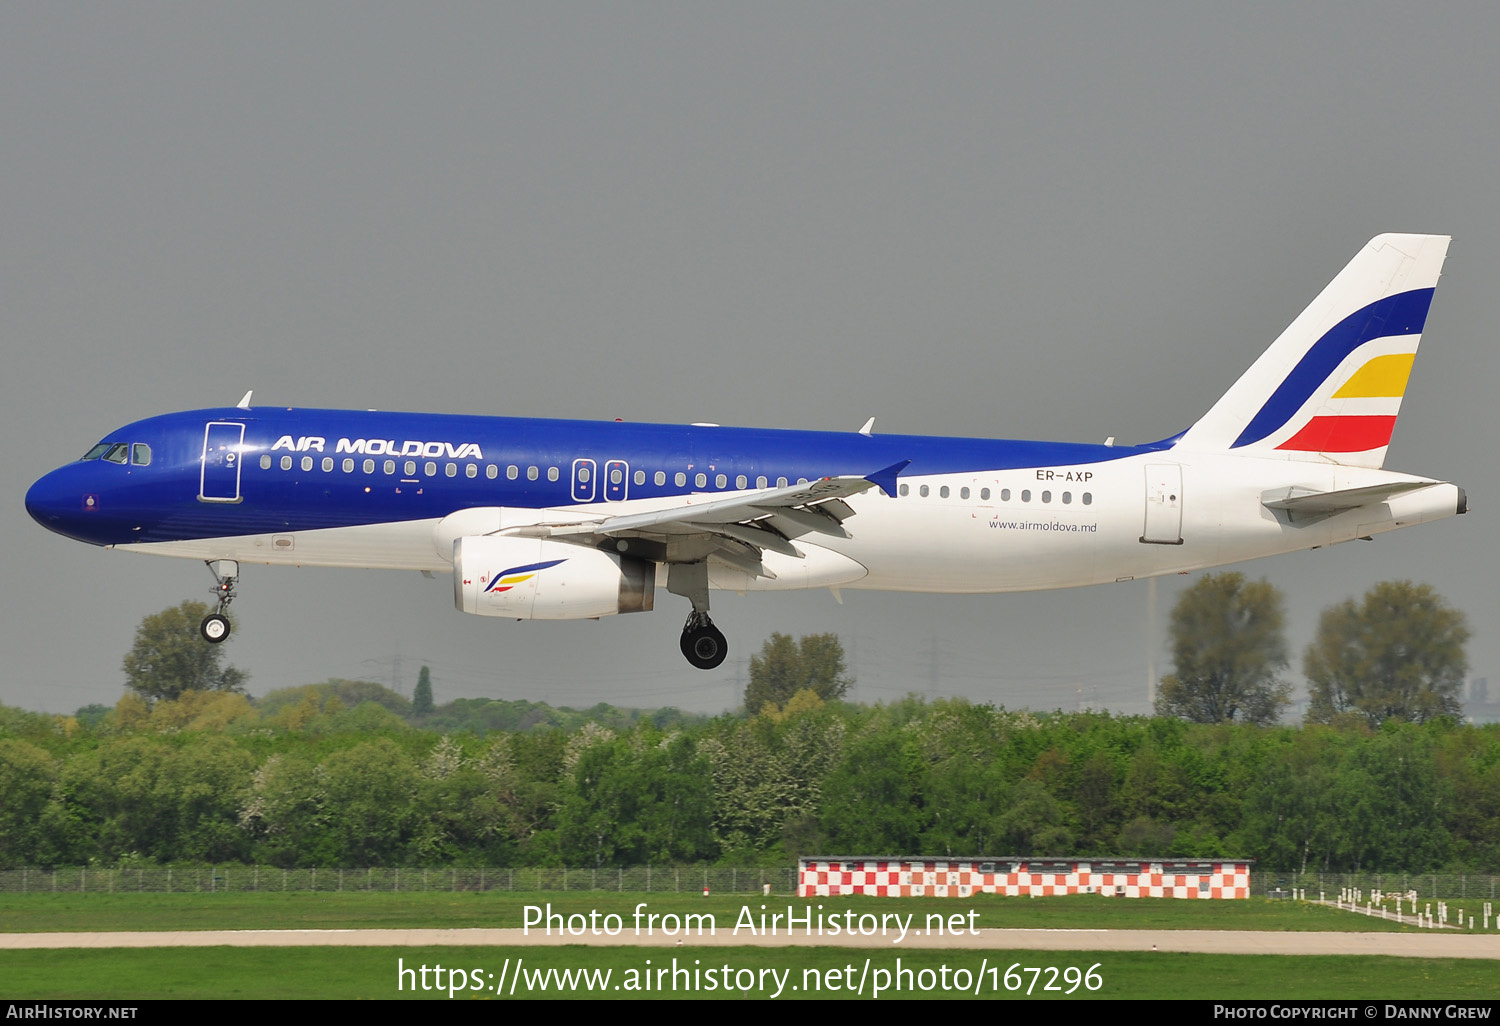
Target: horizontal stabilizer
{"x":1309,"y":504}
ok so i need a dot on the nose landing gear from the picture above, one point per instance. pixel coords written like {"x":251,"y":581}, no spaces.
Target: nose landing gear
{"x":215,"y":626}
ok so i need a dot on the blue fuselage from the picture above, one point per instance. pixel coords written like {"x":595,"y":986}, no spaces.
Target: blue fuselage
{"x":300,"y":470}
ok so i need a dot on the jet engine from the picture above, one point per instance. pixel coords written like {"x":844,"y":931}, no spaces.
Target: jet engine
{"x":540,"y":579}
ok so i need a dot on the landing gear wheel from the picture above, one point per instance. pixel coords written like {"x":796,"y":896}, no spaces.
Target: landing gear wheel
{"x":704,"y":646}
{"x":214,"y":628}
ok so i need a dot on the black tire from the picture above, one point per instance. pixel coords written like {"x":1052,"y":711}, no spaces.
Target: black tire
{"x":214,"y":628}
{"x":705,"y":647}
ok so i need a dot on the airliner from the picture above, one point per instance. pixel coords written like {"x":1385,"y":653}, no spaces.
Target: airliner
{"x":562,"y":519}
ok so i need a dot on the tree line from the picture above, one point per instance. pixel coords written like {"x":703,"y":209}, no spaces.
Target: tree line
{"x":187,"y":767}
{"x":207,"y":777}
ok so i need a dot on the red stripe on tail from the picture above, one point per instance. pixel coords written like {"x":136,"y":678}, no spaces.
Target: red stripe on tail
{"x":1342,"y":434}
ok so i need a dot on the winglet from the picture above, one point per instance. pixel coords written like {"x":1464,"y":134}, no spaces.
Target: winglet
{"x":869,"y":426}
{"x":886,"y":479}
{"x":244,"y":404}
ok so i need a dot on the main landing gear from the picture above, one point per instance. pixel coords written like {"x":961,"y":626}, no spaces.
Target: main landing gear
{"x":215,"y":626}
{"x":702,"y":643}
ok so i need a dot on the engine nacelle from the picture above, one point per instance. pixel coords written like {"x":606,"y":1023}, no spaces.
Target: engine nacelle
{"x":540,"y":579}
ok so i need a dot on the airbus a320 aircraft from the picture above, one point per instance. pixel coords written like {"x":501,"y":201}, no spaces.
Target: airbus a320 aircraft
{"x":559,"y":520}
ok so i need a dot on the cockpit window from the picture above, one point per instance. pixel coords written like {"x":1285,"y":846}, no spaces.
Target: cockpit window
{"x":140,"y":454}
{"x":118,"y":453}
{"x":95,"y":452}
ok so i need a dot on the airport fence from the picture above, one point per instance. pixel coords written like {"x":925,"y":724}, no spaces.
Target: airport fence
{"x":1435,"y":886}
{"x":192,"y":879}
{"x":528,"y":879}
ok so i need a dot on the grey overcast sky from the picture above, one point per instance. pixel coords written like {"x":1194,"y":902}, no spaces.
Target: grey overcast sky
{"x":1055,"y":220}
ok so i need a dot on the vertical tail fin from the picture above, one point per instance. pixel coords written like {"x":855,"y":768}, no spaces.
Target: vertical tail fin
{"x":1330,"y":387}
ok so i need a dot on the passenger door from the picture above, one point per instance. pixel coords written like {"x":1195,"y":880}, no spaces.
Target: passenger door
{"x":220,"y":477}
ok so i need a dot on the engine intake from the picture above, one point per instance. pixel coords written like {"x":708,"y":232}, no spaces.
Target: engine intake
{"x":540,"y":579}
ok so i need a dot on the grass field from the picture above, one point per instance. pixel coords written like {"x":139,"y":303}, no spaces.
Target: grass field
{"x":31,"y":913}
{"x":371,"y":973}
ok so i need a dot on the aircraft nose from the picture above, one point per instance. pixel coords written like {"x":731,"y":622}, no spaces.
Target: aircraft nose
{"x":56,"y":500}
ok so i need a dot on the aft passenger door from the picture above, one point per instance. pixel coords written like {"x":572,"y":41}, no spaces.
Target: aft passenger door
{"x":1163,"y":505}
{"x":220,"y":477}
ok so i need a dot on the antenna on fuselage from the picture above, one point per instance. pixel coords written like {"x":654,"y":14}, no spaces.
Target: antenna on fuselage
{"x":244,"y":404}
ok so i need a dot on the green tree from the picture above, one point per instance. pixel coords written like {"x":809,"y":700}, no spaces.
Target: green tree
{"x":636,"y":800}
{"x":1397,"y":653}
{"x":872,"y":800}
{"x":421,"y":696}
{"x":785,"y":667}
{"x":27,"y":777}
{"x":1227,"y":652}
{"x":169,"y":657}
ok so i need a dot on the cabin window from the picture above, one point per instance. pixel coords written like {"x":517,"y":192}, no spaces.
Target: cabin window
{"x":265,"y":462}
{"x":532,"y":474}
{"x":492,"y":472}
{"x":450,"y":470}
{"x":701,"y":480}
{"x":512,"y":472}
{"x":470,"y":470}
{"x":140,"y":454}
{"x":327,"y":464}
{"x":348,"y":466}
{"x":943,"y":491}
{"x":984,"y":493}
{"x":616,"y":475}
{"x":286,"y":463}
{"x":583,"y":474}
{"x":906,"y":489}
{"x":640,"y":477}
{"x":369,"y":467}
{"x":306,"y":464}
{"x":760,"y":482}
{"x":721,"y":481}
{"x":802,"y":480}
{"x":1046,"y":496}
{"x":1005,"y":495}
{"x":963,"y":493}
{"x":389,"y":467}
{"x":410,"y":470}
{"x":1025,"y":494}
{"x":1067,"y":498}
{"x":680,"y":478}
{"x":781,"y":482}
{"x":660,"y":477}
{"x":923,"y":491}
{"x":551,"y":473}
{"x":429,"y":468}
{"x":1088,"y":498}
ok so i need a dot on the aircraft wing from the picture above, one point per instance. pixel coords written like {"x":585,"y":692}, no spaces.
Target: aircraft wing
{"x":741,"y":527}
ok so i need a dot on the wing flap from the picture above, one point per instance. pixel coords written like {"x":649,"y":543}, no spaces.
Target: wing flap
{"x":745,"y":525}
{"x":703,"y":511}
